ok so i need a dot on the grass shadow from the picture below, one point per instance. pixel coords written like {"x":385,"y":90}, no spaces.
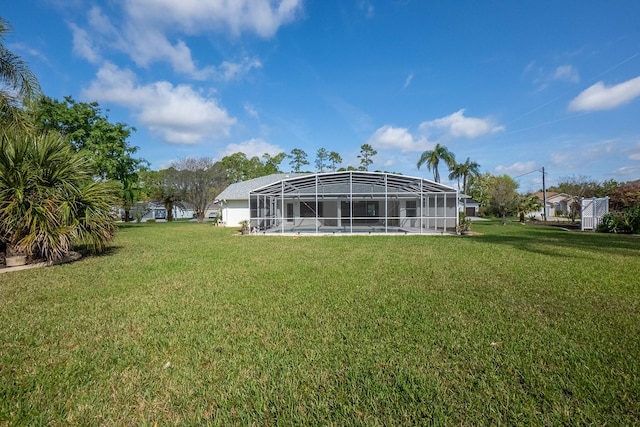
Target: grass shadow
{"x":556,"y":242}
{"x":109,"y":251}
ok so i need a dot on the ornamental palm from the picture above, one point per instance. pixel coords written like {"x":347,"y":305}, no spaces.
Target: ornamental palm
{"x":465,"y":171}
{"x":48,"y":200}
{"x":432,"y":159}
{"x":527,"y":204}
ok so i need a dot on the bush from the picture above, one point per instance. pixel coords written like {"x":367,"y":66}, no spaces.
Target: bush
{"x":48,"y":199}
{"x":626,"y":222}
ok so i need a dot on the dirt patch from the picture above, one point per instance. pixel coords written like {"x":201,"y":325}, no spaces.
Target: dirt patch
{"x":568,"y":225}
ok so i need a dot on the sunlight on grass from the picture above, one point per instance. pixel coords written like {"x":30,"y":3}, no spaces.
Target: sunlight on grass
{"x":191,"y":324}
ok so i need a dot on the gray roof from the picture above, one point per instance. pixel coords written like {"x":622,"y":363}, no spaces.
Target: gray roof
{"x":240,"y":190}
{"x":346,"y":182}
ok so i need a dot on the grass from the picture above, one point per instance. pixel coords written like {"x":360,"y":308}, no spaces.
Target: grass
{"x":189,"y":324}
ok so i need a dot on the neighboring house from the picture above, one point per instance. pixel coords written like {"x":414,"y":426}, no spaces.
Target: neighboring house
{"x":156,"y":211}
{"x":469,"y":206}
{"x":558,"y":204}
{"x":212,"y":212}
{"x":145,"y":211}
{"x":341,"y":202}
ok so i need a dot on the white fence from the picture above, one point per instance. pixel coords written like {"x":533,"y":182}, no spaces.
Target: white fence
{"x":592,"y":212}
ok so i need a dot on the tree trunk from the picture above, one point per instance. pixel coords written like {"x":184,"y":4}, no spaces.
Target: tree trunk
{"x":169,"y":208}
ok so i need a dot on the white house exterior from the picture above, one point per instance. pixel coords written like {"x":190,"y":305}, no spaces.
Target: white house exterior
{"x":157,"y":211}
{"x":341,"y":202}
{"x":558,"y":204}
{"x":234,"y":200}
{"x":468,"y":206}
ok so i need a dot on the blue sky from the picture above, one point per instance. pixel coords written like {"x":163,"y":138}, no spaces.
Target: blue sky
{"x":514,"y":85}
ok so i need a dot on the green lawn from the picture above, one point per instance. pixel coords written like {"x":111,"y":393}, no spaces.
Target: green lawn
{"x":189,"y":324}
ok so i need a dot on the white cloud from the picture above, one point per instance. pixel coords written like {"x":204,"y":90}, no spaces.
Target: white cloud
{"x":635,"y":152}
{"x":566,"y":73}
{"x":233,"y":70}
{"x":543,"y":78}
{"x":366,"y":7}
{"x":407,"y":81}
{"x":601,"y":97}
{"x":252,"y":147}
{"x":84,"y":46}
{"x":530,"y":66}
{"x":28,"y":50}
{"x":101,"y":34}
{"x":517,"y":168}
{"x":101,"y":24}
{"x":558,"y":159}
{"x":148,"y":45}
{"x":178,"y":114}
{"x":251,"y":110}
{"x":627,"y":171}
{"x":457,"y":125}
{"x":393,"y":138}
{"x":582,"y":156}
{"x":263,"y":18}
{"x":144,"y":27}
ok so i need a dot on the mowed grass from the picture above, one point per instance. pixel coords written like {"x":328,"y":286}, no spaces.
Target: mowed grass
{"x":188,"y":324}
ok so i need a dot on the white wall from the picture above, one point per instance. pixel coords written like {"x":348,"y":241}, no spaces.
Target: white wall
{"x":234,"y":211}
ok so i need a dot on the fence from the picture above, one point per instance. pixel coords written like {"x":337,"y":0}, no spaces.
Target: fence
{"x":592,"y":212}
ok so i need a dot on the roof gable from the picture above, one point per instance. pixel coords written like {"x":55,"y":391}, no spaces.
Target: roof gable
{"x":240,"y":190}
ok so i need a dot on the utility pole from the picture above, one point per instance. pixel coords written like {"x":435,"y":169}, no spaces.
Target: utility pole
{"x":544,"y":198}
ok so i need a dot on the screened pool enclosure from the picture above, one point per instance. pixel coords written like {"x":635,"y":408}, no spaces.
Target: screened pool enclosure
{"x":353,"y":202}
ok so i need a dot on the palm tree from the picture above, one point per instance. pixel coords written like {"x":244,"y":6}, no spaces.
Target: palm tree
{"x":48,"y":199}
{"x":465,"y":170}
{"x":18,"y":85}
{"x":432,"y":158}
{"x":528,"y":203}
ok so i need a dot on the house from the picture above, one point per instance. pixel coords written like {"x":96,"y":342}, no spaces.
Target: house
{"x":234,"y":200}
{"x":341,"y":202}
{"x":558,"y":204}
{"x":469,"y":206}
{"x":145,"y":211}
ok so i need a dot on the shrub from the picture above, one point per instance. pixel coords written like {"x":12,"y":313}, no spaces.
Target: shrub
{"x":625,"y":222}
{"x":48,"y":199}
